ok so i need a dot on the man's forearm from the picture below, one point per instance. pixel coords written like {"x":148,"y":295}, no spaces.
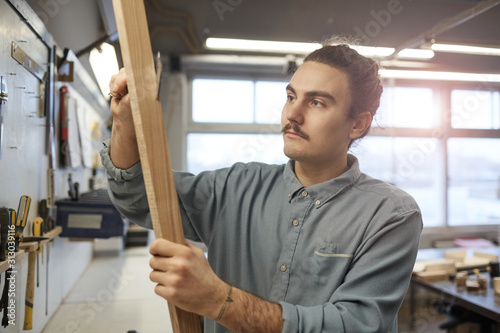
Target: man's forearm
{"x":248,"y":313}
{"x":123,"y":150}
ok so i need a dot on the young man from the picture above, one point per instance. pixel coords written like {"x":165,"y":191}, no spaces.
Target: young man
{"x":310,"y":246}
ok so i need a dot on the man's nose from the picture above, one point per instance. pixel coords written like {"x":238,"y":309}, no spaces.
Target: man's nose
{"x":294,"y":112}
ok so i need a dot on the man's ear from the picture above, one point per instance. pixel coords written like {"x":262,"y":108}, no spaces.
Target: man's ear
{"x":361,"y":125}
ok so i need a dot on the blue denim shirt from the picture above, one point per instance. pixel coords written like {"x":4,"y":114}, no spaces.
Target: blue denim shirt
{"x":337,"y":256}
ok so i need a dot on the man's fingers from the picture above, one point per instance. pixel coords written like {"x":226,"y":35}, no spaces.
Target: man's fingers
{"x":118,"y":84}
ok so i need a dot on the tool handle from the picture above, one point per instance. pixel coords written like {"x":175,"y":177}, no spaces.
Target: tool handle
{"x":37,"y":230}
{"x":37,"y":226}
{"x":30,"y":292}
{"x":23,"y":210}
{"x":4,"y":231}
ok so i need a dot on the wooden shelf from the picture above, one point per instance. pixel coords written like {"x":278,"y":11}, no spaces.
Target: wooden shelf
{"x":4,"y":265}
{"x":34,"y":246}
{"x":31,"y":246}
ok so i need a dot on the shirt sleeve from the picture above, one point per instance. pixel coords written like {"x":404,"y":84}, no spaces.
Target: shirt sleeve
{"x":126,"y":190}
{"x":374,"y":287}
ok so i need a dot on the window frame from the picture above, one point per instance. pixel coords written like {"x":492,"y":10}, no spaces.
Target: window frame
{"x":442,"y":132}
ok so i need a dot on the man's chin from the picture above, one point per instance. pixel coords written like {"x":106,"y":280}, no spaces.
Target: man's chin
{"x":293,"y":154}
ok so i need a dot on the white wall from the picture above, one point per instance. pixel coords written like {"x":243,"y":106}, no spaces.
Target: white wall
{"x":24,"y":164}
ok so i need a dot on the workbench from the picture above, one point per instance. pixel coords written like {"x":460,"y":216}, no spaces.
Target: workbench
{"x":482,"y":302}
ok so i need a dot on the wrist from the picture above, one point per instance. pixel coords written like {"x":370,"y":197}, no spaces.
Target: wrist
{"x":221,"y":300}
{"x":226,"y":303}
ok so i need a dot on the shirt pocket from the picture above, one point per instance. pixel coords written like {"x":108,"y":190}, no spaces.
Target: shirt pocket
{"x":330,"y":265}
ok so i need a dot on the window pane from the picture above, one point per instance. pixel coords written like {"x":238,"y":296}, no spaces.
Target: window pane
{"x":477,"y":109}
{"x":269,"y":99}
{"x":474,"y":181}
{"x":213,"y":151}
{"x":223,"y":101}
{"x":411,"y":164}
{"x":407,"y":107}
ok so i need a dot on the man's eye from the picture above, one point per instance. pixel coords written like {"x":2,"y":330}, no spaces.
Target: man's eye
{"x":317,"y":103}
{"x":290,"y":98}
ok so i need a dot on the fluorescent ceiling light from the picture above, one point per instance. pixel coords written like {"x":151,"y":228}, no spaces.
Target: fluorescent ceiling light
{"x":230,"y":44}
{"x":260,"y":45}
{"x":465,"y":49}
{"x":443,"y":76}
{"x":104,"y":64}
{"x":416,"y":54}
{"x":373,"y":51}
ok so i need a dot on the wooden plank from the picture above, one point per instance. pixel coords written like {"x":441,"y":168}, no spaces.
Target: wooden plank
{"x":138,"y":60}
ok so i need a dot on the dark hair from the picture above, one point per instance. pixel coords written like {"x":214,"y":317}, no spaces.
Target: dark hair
{"x":364,"y":80}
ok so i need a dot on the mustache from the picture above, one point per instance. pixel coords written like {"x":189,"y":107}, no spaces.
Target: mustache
{"x":294,"y":127}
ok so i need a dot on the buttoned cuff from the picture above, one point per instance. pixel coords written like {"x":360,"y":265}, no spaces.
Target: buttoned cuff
{"x":120,"y":175}
{"x":290,"y":317}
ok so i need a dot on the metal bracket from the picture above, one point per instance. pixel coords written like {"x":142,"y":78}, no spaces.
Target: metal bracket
{"x":25,"y":60}
{"x":159,"y":69}
{"x":4,"y":97}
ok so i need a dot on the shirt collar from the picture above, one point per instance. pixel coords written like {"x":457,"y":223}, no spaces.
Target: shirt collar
{"x":322,"y":192}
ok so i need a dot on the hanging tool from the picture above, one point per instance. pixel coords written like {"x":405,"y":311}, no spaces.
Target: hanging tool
{"x":22,"y":214}
{"x":73,"y":191}
{"x":3,"y":99}
{"x":50,"y":139}
{"x":37,"y":232}
{"x":47,"y":280}
{"x":43,"y":212}
{"x":30,"y":292}
{"x":63,"y":104}
{"x":4,"y":231}
{"x":4,"y":301}
{"x":12,"y":215}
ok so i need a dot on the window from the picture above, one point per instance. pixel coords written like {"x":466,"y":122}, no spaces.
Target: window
{"x":412,"y":164}
{"x":209,"y":151}
{"x":474,"y":181}
{"x":254,"y":109}
{"x":437,"y":141}
{"x":478,"y":109}
{"x":223,"y":101}
{"x":407,"y":107}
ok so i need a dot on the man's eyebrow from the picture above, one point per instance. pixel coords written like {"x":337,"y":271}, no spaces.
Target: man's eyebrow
{"x":319,"y":93}
{"x":314,"y":93}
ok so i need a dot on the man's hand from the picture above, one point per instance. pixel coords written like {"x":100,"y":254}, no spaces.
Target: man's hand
{"x":185,"y":278}
{"x":123,"y":152}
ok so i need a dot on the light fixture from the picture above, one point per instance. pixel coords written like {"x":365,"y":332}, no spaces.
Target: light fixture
{"x":249,"y":45}
{"x":416,"y":54}
{"x":373,"y":51}
{"x":442,"y":76}
{"x":468,"y":49}
{"x":230,"y":44}
{"x":104,"y":64}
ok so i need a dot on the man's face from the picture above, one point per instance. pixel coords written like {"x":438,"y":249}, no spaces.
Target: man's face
{"x":314,"y":118}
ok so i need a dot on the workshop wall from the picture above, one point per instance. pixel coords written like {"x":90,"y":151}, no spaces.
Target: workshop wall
{"x":25,"y":161}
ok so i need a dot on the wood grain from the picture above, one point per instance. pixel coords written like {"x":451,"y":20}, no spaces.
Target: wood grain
{"x":151,"y":136}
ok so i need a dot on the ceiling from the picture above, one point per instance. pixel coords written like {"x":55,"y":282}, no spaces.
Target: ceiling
{"x":180,"y":27}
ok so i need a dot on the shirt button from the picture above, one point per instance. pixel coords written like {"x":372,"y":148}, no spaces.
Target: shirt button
{"x":283,"y":268}
{"x":295,"y":223}
{"x":304,"y":193}
{"x":318,"y":202}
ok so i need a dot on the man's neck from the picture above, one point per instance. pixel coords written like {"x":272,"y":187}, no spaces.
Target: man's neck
{"x":313,"y":173}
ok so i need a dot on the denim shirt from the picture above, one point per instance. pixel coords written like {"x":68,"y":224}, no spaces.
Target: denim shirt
{"x":337,"y":256}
